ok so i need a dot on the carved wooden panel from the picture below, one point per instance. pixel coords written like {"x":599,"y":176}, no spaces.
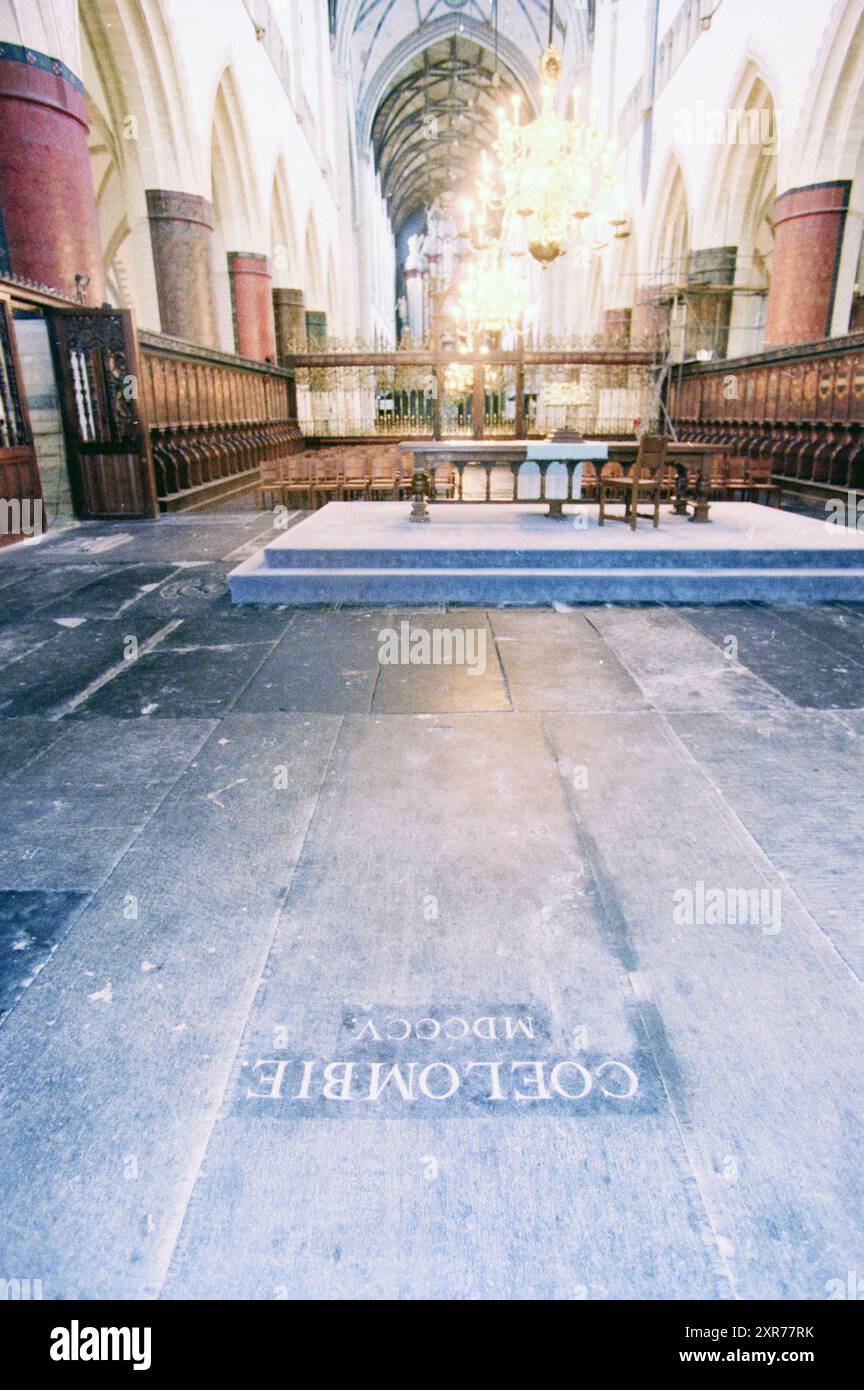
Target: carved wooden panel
{"x":107,"y":440}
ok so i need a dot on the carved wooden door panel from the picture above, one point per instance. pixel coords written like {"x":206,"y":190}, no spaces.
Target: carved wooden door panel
{"x":20,"y":485}
{"x":107,"y":439}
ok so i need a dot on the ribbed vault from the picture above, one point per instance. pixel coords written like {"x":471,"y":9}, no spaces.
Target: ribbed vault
{"x":429,"y":75}
{"x":434,"y":121}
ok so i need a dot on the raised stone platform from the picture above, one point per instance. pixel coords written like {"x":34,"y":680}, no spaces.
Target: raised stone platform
{"x":370,"y":553}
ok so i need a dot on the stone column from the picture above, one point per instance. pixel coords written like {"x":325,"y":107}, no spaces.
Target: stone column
{"x":316,"y":329}
{"x":616,"y":334}
{"x":616,"y":328}
{"x":415,"y":296}
{"x":707,"y":324}
{"x":289,"y":314}
{"x":808,"y":237}
{"x":181,"y":234}
{"x":49,"y":225}
{"x":252,"y":305}
{"x":650,"y":319}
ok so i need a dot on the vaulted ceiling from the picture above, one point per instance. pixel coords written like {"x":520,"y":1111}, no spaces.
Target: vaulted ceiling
{"x":433,"y":122}
{"x":429,"y":75}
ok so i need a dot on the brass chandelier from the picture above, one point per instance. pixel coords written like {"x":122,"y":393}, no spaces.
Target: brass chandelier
{"x":554,"y":177}
{"x":551,"y":181}
{"x":492,"y":295}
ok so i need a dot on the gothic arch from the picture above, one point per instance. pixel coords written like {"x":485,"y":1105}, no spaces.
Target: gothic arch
{"x":332,"y":291}
{"x":571,"y":17}
{"x":670,"y":223}
{"x":831,"y":128}
{"x":111,"y":206}
{"x":129,"y":46}
{"x":622,"y":272}
{"x":314,"y":284}
{"x":284,"y":255}
{"x":413,"y":44}
{"x":744,"y":169}
{"x":139,"y":136}
{"x":596,"y":297}
{"x":235,"y":197}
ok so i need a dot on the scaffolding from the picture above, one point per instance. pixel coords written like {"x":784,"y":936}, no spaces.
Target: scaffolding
{"x":692,"y":305}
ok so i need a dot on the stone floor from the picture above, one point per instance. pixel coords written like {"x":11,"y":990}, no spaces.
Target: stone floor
{"x":537,"y":976}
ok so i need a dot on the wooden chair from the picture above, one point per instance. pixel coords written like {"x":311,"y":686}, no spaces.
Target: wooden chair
{"x":355,"y":477}
{"x":384,"y":473}
{"x":297,"y":480}
{"x":327,"y":483}
{"x":269,"y":484}
{"x":646,"y":479}
{"x":405,"y":483}
{"x":759,"y":480}
{"x":442,"y":481}
{"x":721,"y":479}
{"x":731,"y":478}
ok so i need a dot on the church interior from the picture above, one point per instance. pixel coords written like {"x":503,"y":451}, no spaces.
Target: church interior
{"x":432,"y":632}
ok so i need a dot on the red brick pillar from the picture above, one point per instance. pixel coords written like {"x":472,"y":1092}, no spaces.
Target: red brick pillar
{"x":808,"y":236}
{"x":181,"y":234}
{"x":49,"y":226}
{"x":252,"y":303}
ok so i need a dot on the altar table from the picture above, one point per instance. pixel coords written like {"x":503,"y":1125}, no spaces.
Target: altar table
{"x":489,"y":453}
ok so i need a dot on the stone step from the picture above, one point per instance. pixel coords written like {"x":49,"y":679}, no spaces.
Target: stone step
{"x":256,"y":581}
{"x":306,"y":558}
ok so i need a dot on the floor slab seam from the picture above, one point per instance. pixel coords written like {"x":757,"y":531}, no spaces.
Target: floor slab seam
{"x":292,"y":520}
{"x":251,"y":995}
{"x":112,"y":569}
{"x":118,"y":668}
{"x":691,"y":1159}
{"x":503,"y":669}
{"x":795,"y":629}
{"x":838,"y":716}
{"x":173,"y":574}
{"x":759,"y":853}
{"x":698,"y":1166}
{"x":762,"y":854}
{"x":61,"y":732}
{"x":777,"y":695}
{"x":206,"y":735}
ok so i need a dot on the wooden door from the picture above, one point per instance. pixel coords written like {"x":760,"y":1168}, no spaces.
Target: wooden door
{"x":107,"y":439}
{"x":21,"y":509}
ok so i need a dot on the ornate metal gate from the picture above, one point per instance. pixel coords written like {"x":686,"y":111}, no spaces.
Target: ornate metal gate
{"x":107,"y":440}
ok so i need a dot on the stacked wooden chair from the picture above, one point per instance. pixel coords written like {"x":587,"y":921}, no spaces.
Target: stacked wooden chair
{"x":351,"y":472}
{"x":297,"y":481}
{"x":270,"y":482}
{"x":328,"y":477}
